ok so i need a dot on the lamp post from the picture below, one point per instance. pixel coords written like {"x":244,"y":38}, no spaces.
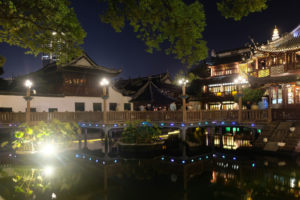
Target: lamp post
{"x":239,"y":81}
{"x":183,"y":83}
{"x":28,"y":98}
{"x":104,"y":83}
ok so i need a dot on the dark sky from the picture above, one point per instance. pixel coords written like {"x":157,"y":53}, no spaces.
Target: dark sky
{"x":124,"y":50}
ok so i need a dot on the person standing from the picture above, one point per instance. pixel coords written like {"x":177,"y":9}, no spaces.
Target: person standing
{"x":173,"y":106}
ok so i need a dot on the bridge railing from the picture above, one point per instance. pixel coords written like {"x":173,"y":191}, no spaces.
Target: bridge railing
{"x":168,"y":116}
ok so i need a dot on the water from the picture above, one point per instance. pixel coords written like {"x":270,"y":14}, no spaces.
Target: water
{"x":215,"y":175}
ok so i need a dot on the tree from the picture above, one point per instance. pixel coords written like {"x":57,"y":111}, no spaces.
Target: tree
{"x":173,"y":25}
{"x":29,"y":137}
{"x":251,"y":95}
{"x":45,"y":26}
{"x":236,"y":9}
{"x":140,"y":133}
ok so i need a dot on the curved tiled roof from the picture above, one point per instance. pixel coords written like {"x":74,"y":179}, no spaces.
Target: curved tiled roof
{"x":287,"y":42}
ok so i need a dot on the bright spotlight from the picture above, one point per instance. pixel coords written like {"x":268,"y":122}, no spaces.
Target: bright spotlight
{"x":48,"y":171}
{"x":48,"y":149}
{"x":28,"y":83}
{"x":104,"y":82}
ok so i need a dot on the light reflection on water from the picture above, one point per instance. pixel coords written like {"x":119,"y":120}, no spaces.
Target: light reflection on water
{"x":207,"y":176}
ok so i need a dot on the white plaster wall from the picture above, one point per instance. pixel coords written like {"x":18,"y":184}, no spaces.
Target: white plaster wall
{"x":63,"y":104}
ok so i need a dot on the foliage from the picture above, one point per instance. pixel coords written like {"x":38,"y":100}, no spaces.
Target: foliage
{"x":251,"y":95}
{"x":2,"y":61}
{"x":31,"y":24}
{"x":29,"y":137}
{"x":170,"y":24}
{"x":140,"y":132}
{"x":173,"y":25}
{"x":197,"y":135}
{"x":236,"y":9}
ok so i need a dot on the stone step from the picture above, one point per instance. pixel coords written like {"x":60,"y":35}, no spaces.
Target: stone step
{"x":271,"y":146}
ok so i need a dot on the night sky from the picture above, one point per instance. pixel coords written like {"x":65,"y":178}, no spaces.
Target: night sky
{"x":125,"y":51}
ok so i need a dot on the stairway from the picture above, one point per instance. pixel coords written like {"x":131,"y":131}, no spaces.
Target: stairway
{"x":293,"y":140}
{"x":266,"y":132}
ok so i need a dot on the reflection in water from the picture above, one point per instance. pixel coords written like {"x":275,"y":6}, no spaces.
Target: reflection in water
{"x":214,"y":176}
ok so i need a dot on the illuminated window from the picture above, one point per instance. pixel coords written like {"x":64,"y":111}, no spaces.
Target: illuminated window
{"x":290,"y":95}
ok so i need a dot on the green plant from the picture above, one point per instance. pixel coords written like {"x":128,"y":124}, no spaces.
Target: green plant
{"x":251,"y":95}
{"x":28,"y":137}
{"x":140,"y":132}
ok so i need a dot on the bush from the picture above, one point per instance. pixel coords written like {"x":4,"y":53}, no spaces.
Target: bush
{"x":140,"y":133}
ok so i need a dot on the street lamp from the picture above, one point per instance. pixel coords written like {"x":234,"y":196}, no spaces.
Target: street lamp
{"x":28,"y":98}
{"x":104,"y":83}
{"x":239,"y":81}
{"x":183,"y":83}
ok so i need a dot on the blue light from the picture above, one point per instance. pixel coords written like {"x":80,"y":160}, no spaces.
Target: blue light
{"x":76,"y":155}
{"x":172,"y":160}
{"x":206,"y":157}
{"x":214,"y":155}
{"x":183,"y":162}
{"x":253,"y":164}
{"x":214,"y":122}
{"x":162,"y":158}
{"x":199,"y":123}
{"x":206,"y":123}
{"x":234,"y":158}
{"x":233,"y":123}
{"x":97,"y":161}
{"x":115,"y":161}
{"x":199,"y":158}
{"x":115,"y":125}
{"x":223,"y":156}
{"x":191,"y":124}
{"x":182,"y":125}
{"x":90,"y":124}
{"x":83,"y":125}
{"x":90,"y":158}
{"x":103,"y":162}
{"x":192,"y":160}
{"x":103,"y":125}
{"x":252,"y":125}
{"x":222,"y":123}
{"x":83,"y":156}
{"x":172,"y":124}
{"x":162,"y":124}
{"x":97,"y":125}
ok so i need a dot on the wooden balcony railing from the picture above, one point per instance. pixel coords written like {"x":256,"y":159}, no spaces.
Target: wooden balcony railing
{"x":163,"y":116}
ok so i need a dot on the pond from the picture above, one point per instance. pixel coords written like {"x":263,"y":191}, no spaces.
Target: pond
{"x":214,"y":175}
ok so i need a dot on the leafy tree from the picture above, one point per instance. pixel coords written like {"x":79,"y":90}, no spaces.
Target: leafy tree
{"x":137,"y":132}
{"x":173,"y":25}
{"x":29,"y":137}
{"x":41,"y":27}
{"x":251,"y":95}
{"x":236,"y":9}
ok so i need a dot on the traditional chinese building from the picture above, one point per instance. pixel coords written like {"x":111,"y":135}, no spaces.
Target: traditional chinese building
{"x":70,"y":87}
{"x":220,"y":88}
{"x":277,"y":67}
{"x":156,"y":90}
